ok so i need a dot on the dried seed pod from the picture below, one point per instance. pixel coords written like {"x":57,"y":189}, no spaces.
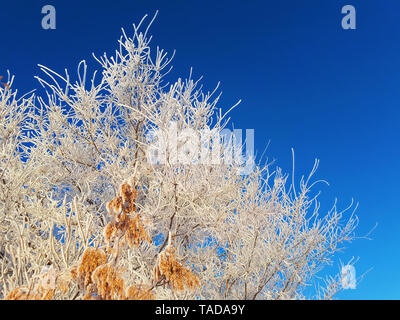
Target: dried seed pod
{"x":174,"y":273}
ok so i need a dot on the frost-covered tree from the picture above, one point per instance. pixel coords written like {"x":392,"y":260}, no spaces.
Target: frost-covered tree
{"x":100,"y":199}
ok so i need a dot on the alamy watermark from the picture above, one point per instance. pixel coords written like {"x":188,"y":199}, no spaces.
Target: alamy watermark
{"x":206,"y":146}
{"x":349,"y":20}
{"x":49,"y":20}
{"x":349,"y":280}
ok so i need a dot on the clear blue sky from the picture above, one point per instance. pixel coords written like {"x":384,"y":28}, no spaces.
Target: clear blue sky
{"x":304,"y":81}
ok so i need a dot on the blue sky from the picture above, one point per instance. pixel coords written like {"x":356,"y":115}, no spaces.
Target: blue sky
{"x":305,"y":83}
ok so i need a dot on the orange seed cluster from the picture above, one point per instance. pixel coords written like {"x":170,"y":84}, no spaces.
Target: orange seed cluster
{"x":121,"y":209}
{"x":92,"y":258}
{"x":139,"y":293}
{"x":174,"y":272}
{"x":108,"y":283}
{"x":43,"y":289}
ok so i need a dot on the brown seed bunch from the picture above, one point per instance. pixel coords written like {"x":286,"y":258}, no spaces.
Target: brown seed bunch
{"x":128,"y":195}
{"x":174,"y":272}
{"x":124,"y":202}
{"x":139,"y":293}
{"x":131,"y":229}
{"x":92,"y":258}
{"x":114,"y":207}
{"x":110,"y":232}
{"x":16,"y":294}
{"x":24,"y":294}
{"x":109,"y":285}
{"x":121,"y":209}
{"x":43,"y":289}
{"x":135,"y":233}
